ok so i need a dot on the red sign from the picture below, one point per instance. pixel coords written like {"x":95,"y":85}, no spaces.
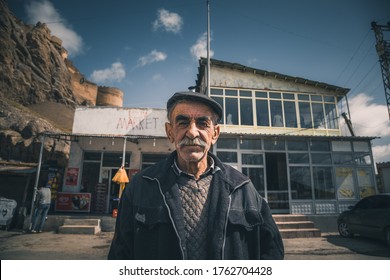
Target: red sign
{"x":73,"y":202}
{"x":72,"y":175}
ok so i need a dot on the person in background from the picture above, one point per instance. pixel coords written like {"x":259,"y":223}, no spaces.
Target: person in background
{"x":43,"y":200}
{"x":191,"y":205}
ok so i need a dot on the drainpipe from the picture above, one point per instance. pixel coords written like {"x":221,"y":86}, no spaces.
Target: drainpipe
{"x":37,"y":180}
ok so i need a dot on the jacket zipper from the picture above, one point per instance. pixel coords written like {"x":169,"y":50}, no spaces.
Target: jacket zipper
{"x":169,"y":213}
{"x":227,"y":218}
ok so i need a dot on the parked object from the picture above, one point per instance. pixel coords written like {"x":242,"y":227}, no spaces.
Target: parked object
{"x":7,"y":211}
{"x":370,"y":217}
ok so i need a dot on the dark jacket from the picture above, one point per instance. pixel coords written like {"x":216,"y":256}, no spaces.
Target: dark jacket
{"x":150,"y":222}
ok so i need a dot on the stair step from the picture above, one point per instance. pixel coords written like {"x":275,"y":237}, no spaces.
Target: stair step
{"x":79,"y":229}
{"x":295,"y":225}
{"x":290,"y":218}
{"x":300,"y":233}
{"x":86,"y":222}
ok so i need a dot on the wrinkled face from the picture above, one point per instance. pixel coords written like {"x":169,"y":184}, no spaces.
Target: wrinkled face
{"x":193,"y":130}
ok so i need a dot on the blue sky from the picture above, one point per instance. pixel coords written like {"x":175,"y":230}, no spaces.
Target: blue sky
{"x":150,"y":49}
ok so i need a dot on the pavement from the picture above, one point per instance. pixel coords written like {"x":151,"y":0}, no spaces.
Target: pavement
{"x":19,"y":245}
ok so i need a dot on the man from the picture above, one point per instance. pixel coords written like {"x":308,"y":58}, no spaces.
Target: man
{"x":191,"y":205}
{"x":43,"y":205}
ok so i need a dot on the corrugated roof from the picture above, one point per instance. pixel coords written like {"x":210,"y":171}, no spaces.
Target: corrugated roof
{"x":237,"y":66}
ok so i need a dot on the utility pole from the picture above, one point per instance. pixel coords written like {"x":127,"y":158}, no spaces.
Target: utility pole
{"x":383,"y":50}
{"x":208,"y":48}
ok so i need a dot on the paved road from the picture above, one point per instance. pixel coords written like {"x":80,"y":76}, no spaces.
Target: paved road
{"x":16,"y":245}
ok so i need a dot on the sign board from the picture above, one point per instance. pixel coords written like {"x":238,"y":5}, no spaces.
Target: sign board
{"x":120,"y":121}
{"x":73,"y":202}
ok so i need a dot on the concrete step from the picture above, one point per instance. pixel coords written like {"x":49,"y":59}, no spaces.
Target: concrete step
{"x":80,"y":226}
{"x":85,"y":222}
{"x":78,"y":229}
{"x":300,"y":233}
{"x":296,"y":226}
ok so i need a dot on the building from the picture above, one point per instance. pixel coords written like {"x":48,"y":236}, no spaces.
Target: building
{"x":283,"y":132}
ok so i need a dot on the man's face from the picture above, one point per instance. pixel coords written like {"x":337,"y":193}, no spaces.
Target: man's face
{"x":192,"y":130}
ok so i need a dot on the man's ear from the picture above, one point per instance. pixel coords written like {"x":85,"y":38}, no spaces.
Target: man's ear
{"x":168,"y":131}
{"x":217,"y":131}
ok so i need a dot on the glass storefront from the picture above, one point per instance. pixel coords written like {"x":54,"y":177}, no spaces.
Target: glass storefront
{"x":302,"y":175}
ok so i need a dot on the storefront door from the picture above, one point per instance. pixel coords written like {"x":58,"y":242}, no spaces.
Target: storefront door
{"x":277,"y":183}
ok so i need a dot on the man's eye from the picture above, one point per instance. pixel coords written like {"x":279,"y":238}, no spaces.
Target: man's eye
{"x":182,"y":123}
{"x":202,"y":123}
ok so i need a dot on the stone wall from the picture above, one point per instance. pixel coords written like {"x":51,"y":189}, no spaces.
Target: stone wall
{"x":109,"y":96}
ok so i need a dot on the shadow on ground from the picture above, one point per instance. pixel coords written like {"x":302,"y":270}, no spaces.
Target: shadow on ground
{"x":360,"y":245}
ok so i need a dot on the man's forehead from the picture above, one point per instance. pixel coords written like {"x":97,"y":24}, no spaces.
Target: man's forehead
{"x":193,"y":109}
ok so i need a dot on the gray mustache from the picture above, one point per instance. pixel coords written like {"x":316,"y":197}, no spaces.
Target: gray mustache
{"x":192,"y":142}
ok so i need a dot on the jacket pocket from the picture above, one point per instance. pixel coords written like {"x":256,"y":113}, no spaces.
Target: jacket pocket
{"x":247,"y":219}
{"x":151,"y":217}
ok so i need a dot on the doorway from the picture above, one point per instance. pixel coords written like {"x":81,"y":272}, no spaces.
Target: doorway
{"x":277,"y":183}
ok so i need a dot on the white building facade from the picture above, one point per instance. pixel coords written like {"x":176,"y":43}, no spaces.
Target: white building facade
{"x":282,"y":131}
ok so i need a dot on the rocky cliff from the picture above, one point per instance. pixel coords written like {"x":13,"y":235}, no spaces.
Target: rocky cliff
{"x":35,"y":91}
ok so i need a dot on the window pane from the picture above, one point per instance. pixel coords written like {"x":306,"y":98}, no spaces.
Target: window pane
{"x":276,"y":113}
{"x":323,"y":183}
{"x":341,"y":146}
{"x":92,"y":156}
{"x":289,"y":96}
{"x":366,"y":182}
{"x":252,"y":159}
{"x":227,"y":156}
{"x":290,"y":114}
{"x":250,"y":144}
{"x":321,"y":158}
{"x":362,"y":158}
{"x":230,"y":92}
{"x":345,"y":158}
{"x":227,"y":143}
{"x":274,"y":144}
{"x":305,"y":115}
{"x":245,"y":93}
{"x":220,"y":102}
{"x":297,"y":145}
{"x":216,"y":91}
{"x":303,"y":97}
{"x":361,"y":147}
{"x":316,"y":98}
{"x":319,"y":146}
{"x":328,"y":99}
{"x":262,"y":112}
{"x":246,"y":111}
{"x":345,"y":183}
{"x":318,"y":115}
{"x":257,"y":177}
{"x":276,"y":95}
{"x":231,"y":111}
{"x":331,"y":116}
{"x":300,"y":183}
{"x":261,"y":94}
{"x":298,"y":158}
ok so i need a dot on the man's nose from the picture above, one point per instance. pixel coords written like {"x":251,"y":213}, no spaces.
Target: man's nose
{"x":192,"y":130}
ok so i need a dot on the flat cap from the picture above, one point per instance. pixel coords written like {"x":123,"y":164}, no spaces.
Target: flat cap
{"x":197,"y":97}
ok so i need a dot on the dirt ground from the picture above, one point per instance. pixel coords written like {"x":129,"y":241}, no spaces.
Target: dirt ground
{"x":17,"y":245}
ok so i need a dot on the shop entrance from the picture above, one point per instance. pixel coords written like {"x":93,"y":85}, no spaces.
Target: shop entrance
{"x":277,"y":184}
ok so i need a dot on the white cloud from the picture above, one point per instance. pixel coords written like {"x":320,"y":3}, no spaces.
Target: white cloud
{"x":153,"y":56}
{"x":170,"y":22}
{"x":368,"y":118}
{"x":199,"y":49}
{"x":115,"y":73}
{"x":45,"y":12}
{"x":157,"y":77}
{"x":371,"y":119}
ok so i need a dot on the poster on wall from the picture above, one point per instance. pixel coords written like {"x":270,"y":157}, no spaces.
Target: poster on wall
{"x":72,"y":175}
{"x":73,"y":202}
{"x":344,"y":183}
{"x":365,"y":179}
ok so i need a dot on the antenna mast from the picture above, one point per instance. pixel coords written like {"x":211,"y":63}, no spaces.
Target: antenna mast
{"x":383,"y":50}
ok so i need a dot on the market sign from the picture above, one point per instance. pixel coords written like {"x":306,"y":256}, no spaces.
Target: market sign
{"x":120,"y":121}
